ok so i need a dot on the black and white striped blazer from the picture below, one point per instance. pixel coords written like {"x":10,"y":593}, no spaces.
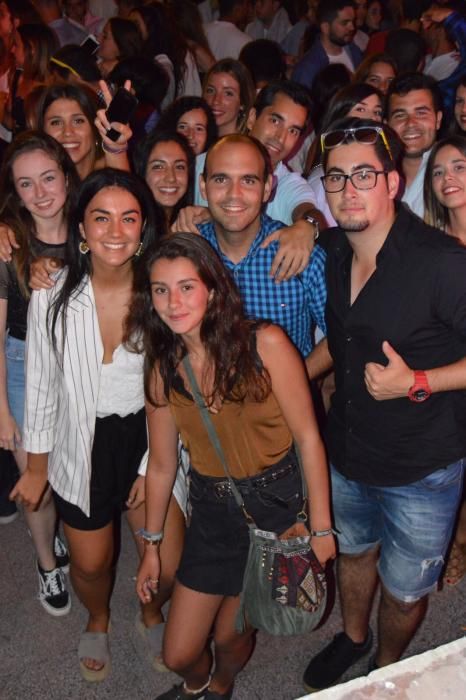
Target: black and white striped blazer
{"x":61,"y":397}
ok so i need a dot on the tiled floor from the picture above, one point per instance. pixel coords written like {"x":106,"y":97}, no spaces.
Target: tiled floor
{"x":38,"y":652}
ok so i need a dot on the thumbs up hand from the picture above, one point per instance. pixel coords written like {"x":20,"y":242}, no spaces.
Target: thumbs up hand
{"x":390,"y":381}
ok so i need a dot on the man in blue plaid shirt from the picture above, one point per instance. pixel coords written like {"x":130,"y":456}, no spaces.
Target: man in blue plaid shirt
{"x":236,"y":182}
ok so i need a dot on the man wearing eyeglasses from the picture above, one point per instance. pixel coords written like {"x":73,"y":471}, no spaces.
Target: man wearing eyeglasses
{"x":396,"y":329}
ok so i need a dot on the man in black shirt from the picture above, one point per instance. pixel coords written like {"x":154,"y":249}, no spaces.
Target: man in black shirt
{"x":396,"y":323}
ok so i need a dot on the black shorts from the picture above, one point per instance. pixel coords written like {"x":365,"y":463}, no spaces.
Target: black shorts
{"x":217,"y":539}
{"x":119,"y":445}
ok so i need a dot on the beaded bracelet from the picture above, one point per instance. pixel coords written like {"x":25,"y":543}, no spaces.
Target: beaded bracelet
{"x":150,"y":537}
{"x":323,"y":533}
{"x":115,"y":151}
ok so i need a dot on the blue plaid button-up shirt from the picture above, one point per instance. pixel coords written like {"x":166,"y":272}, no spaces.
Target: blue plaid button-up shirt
{"x":296,"y":305}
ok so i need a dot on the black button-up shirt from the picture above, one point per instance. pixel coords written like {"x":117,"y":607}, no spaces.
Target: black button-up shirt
{"x":416,"y":299}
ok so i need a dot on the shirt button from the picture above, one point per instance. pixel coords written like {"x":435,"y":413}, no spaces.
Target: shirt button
{"x":349,"y":402}
{"x":350,"y":430}
{"x":348,"y":338}
{"x":347,"y":371}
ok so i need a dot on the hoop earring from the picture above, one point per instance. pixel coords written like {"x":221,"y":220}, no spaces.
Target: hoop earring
{"x":139,"y":250}
{"x":83,"y":248}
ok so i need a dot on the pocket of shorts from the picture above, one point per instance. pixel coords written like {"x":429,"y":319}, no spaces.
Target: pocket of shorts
{"x":443,"y":478}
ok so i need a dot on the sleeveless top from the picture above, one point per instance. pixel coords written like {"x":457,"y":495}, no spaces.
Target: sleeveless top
{"x":253,"y":435}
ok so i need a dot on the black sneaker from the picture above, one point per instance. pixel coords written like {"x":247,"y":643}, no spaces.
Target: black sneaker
{"x":53,"y":595}
{"x":179,"y":693}
{"x":326,"y":668}
{"x":61,"y":554}
{"x":8,"y":514}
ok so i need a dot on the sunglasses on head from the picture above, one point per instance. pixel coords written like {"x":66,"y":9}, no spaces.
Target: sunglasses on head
{"x":366,"y":135}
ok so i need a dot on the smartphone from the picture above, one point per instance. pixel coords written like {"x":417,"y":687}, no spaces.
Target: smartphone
{"x":90,"y":44}
{"x":120,"y":109}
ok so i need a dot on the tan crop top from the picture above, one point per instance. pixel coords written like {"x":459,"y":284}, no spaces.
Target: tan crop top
{"x":253,"y":435}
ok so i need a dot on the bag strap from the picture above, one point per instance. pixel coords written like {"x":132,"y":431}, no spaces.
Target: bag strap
{"x":213,"y":436}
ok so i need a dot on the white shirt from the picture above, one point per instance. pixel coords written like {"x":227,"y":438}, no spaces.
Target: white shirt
{"x":225,"y":39}
{"x":361,"y":39}
{"x":318,"y":193}
{"x":191,"y":82}
{"x":343,"y":58}
{"x":414,"y":193}
{"x":442,"y":66}
{"x":277,"y":31}
{"x":291,"y":191}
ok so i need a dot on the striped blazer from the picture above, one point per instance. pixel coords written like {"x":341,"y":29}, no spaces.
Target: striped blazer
{"x":61,"y":397}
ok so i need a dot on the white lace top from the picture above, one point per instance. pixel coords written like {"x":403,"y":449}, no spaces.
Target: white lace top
{"x":121,"y":388}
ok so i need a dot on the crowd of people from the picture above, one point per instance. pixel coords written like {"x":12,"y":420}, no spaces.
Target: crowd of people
{"x":282,"y":216}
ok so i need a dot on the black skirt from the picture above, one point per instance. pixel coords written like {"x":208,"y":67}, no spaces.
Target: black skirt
{"x":217,"y":539}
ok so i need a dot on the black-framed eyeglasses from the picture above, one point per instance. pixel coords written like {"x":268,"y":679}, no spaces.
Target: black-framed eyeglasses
{"x":360,"y":179}
{"x":367,"y":135}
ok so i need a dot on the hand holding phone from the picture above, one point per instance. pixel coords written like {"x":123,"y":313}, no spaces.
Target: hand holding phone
{"x":120,"y":109}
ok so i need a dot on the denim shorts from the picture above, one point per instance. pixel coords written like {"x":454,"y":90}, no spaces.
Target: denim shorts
{"x":413,"y":525}
{"x":217,"y":537}
{"x":14,"y":353}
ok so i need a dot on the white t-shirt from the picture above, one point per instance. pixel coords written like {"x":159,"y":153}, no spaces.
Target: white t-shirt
{"x":343,"y":58}
{"x":318,"y":193}
{"x":225,"y":39}
{"x":442,"y":66}
{"x":414,"y":194}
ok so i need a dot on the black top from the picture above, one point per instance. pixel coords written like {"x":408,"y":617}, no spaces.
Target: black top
{"x":10,"y":289}
{"x":416,"y":299}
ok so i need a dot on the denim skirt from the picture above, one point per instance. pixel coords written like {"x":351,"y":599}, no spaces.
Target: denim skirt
{"x":217,"y":538}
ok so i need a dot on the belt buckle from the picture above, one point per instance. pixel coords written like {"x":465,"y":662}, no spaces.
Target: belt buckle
{"x":222,"y":489}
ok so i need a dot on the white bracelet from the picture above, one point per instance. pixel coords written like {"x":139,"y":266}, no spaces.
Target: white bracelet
{"x":150,"y":537}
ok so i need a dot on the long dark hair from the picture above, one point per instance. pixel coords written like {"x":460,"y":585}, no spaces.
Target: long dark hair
{"x":163,"y":36}
{"x":13,"y":212}
{"x":79,"y":265}
{"x":83,"y":95}
{"x":247,"y":90}
{"x":145,"y":148}
{"x":436,"y":214}
{"x":173,"y":113}
{"x":227,"y":335}
{"x":126,"y":36}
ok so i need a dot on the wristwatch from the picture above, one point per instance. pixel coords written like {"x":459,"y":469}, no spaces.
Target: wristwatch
{"x":310,"y":219}
{"x":420,"y":391}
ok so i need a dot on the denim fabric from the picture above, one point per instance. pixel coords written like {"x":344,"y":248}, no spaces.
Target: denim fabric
{"x":412,"y":524}
{"x":14,"y":352}
{"x":217,"y":538}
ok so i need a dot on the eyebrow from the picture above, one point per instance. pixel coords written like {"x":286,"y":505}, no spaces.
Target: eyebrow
{"x":282,"y":119}
{"x":360,"y":166}
{"x":252,"y":176}
{"x":402,"y":110}
{"x":188,"y":279}
{"x":455,"y":160}
{"x":105,"y":211}
{"x":164,"y":160}
{"x":28,"y":177}
{"x":60,"y":116}
{"x":185,"y":121}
